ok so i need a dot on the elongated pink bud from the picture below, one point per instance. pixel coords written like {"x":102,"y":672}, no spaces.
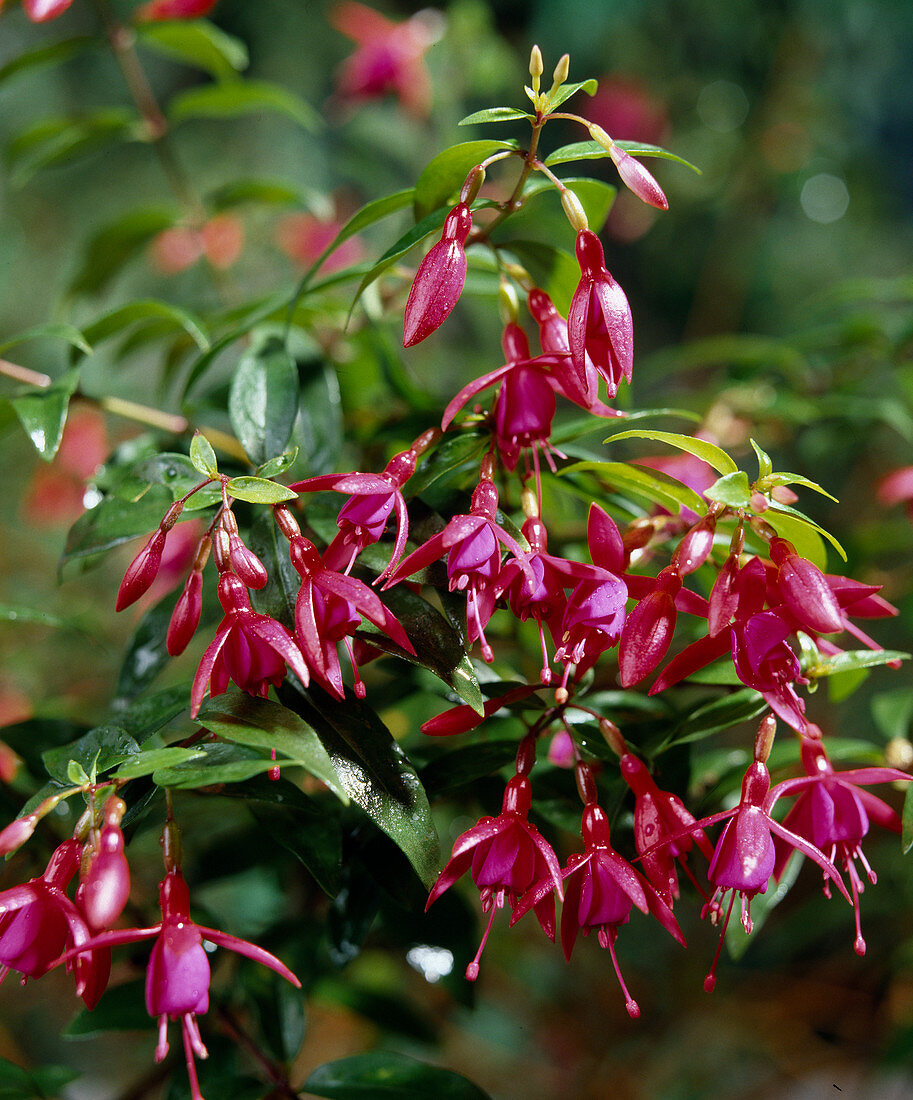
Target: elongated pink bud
{"x":648,"y":630}
{"x":141,"y":572}
{"x":106,"y":888}
{"x":637,"y":179}
{"x":805,"y":590}
{"x":17,"y":833}
{"x":186,"y":615}
{"x":724,"y":597}
{"x":246,"y":564}
{"x":695,"y":547}
{"x":439,"y":280}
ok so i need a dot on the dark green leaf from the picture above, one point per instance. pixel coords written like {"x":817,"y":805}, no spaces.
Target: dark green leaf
{"x":114,"y":521}
{"x":43,"y":414}
{"x":146,"y":655}
{"x":143,"y":311}
{"x":383,"y":1074}
{"x":494,"y":114}
{"x":555,"y":99}
{"x":264,"y":724}
{"x":263,"y":400}
{"x":117,"y":243}
{"x":277,"y":599}
{"x":377,"y":775}
{"x":101,"y":748}
{"x":221,"y":763}
{"x":462,"y":767}
{"x":57,"y":141}
{"x":456,"y":452}
{"x":179,"y":476}
{"x":143,"y":717}
{"x":445,"y":173}
{"x":258,"y":490}
{"x":236,"y":99}
{"x":15,"y":1082}
{"x":657,"y":487}
{"x":762,"y":904}
{"x":721,"y":714}
{"x":51,"y":331}
{"x":731,"y":489}
{"x":541,"y":217}
{"x":708,"y":452}
{"x":151,"y":760}
{"x":720,"y":672}
{"x":55,"y":53}
{"x":198,"y":43}
{"x":319,"y":428}
{"x":120,"y":1009}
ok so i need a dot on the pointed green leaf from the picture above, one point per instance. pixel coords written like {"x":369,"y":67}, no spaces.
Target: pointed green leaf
{"x":417,"y":233}
{"x":642,"y":149}
{"x":719,"y":715}
{"x":43,"y":413}
{"x":782,"y":477}
{"x":203,"y":456}
{"x":444,"y":175}
{"x":142,"y":311}
{"x":657,"y":487}
{"x":494,"y":114}
{"x":853,"y":659}
{"x":567,"y":90}
{"x":236,"y":99}
{"x":258,"y":490}
{"x":384,"y":1075}
{"x":58,"y":141}
{"x":54,"y":54}
{"x":263,"y":399}
{"x":52,"y":331}
{"x":731,"y":489}
{"x":198,"y":43}
{"x":100,"y":749}
{"x":263,"y":724}
{"x":765,"y":466}
{"x":117,"y":243}
{"x":278,"y":465}
{"x":220,"y":763}
{"x":708,"y":452}
{"x":152,"y":759}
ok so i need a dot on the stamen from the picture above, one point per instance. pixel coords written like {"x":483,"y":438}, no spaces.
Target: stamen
{"x":190,"y":1021}
{"x":545,"y":673}
{"x":473,"y":607}
{"x":746,"y":914}
{"x":359,"y":684}
{"x":870,"y":874}
{"x":195,"y":1093}
{"x":472,"y":971}
{"x":607,"y":939}
{"x":710,"y":980}
{"x":856,"y":887}
{"x":162,"y":1047}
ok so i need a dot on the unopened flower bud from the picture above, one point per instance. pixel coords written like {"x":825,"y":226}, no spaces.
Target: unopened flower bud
{"x":286,"y":522}
{"x":536,"y":67}
{"x":141,"y":572}
{"x":586,"y":783}
{"x":561,"y":70}
{"x":472,"y":185}
{"x":186,"y":615}
{"x":633,"y":174}
{"x":17,"y":833}
{"x":508,"y":305}
{"x":106,"y":888}
{"x":246,"y":564}
{"x":612,"y":735}
{"x":573,"y":208}
{"x":805,"y":590}
{"x":439,"y":280}
{"x":695,"y":547}
{"x":171,"y":516}
{"x":221,"y":549}
{"x":648,"y":630}
{"x":765,"y":738}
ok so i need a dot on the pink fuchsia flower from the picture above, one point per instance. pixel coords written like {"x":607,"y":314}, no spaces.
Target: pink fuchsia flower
{"x":744,"y":857}
{"x":178,"y":975}
{"x":174,"y":9}
{"x":305,"y":237}
{"x":765,"y":662}
{"x":600,"y":889}
{"x":389,"y":57}
{"x":664,"y":831}
{"x":637,"y":178}
{"x":473,"y":546}
{"x":648,"y":629}
{"x":897,"y":488}
{"x":599,"y":322}
{"x":329,"y":609}
{"x":506,"y":855}
{"x":38,"y":922}
{"x":250,"y":649}
{"x":804,"y":590}
{"x":438,"y":283}
{"x":41,"y":11}
{"x":833,"y":813}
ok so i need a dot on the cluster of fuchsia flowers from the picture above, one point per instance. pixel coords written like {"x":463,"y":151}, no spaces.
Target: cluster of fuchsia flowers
{"x":758,"y":602}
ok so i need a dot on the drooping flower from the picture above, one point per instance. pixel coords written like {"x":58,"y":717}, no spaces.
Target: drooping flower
{"x":648,"y":629}
{"x":438,"y":283}
{"x":804,"y":590}
{"x":599,"y":322}
{"x":833,"y":813}
{"x":600,"y":889}
{"x":250,"y":649}
{"x":178,"y":975}
{"x":506,"y":855}
{"x":765,"y":662}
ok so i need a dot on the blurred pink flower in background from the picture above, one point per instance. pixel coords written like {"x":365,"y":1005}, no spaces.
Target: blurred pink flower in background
{"x":303,"y":237}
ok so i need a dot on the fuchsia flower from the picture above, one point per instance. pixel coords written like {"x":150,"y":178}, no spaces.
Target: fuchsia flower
{"x":833,"y":813}
{"x":175,"y":9}
{"x":648,"y":630}
{"x":897,"y":488}
{"x":41,"y":11}
{"x":438,"y":283}
{"x":765,"y":662}
{"x":600,"y":890}
{"x":328,"y":610}
{"x":804,"y":590}
{"x":38,"y":922}
{"x":506,"y":855}
{"x":178,"y":975}
{"x":599,"y":323}
{"x":473,"y":543}
{"x":250,"y":649}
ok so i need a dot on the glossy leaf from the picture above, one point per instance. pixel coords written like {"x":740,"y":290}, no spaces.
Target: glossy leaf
{"x":152,"y":759}
{"x":278,"y":465}
{"x":263,"y":724}
{"x":116,"y":244}
{"x":263,"y":400}
{"x":464,"y":766}
{"x":100,"y":749}
{"x":719,"y":715}
{"x":592,"y":150}
{"x":494,"y":114}
{"x":541,"y":217}
{"x":319,"y":429}
{"x":196,"y":42}
{"x":782,"y":477}
{"x":143,"y":311}
{"x":567,"y":90}
{"x":731,"y":489}
{"x":656,"y":486}
{"x":708,"y":452}
{"x":443,"y":176}
{"x":203,"y":456}
{"x":785,"y":509}
{"x":43,"y":414}
{"x":258,"y":490}
{"x":237,"y":99}
{"x":386,"y":1074}
{"x":765,"y":466}
{"x":220,"y":763}
{"x":853,"y":659}
{"x":121,"y":1008}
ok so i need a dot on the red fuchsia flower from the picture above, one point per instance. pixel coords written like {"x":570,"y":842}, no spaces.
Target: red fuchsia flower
{"x":765,"y":662}
{"x":178,"y":975}
{"x":438,"y":283}
{"x":463,"y":718}
{"x":390,"y":56}
{"x":897,"y":488}
{"x":664,"y":831}
{"x":305,"y":237}
{"x":648,"y":629}
{"x":833,"y":813}
{"x":506,"y":855}
{"x":744,"y":857}
{"x":104,"y":890}
{"x":473,"y":546}
{"x":329,"y":609}
{"x":38,"y":922}
{"x":600,"y":889}
{"x":599,"y":322}
{"x":804,"y":590}
{"x":175,"y":9}
{"x":250,"y":649}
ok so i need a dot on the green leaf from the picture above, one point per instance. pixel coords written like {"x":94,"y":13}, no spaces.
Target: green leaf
{"x":263,"y":191}
{"x":57,"y":141}
{"x":117,"y":243}
{"x":151,"y":760}
{"x":15,"y":613}
{"x":202,"y":456}
{"x":76,"y":774}
{"x":853,"y":659}
{"x":592,"y":150}
{"x":383,"y":1074}
{"x":197,"y":42}
{"x":220,"y":763}
{"x":731,"y":489}
{"x":541,"y":217}
{"x":43,"y":414}
{"x":642,"y":149}
{"x":113,"y":522}
{"x":906,"y":838}
{"x":656,"y":486}
{"x":142,"y":311}
{"x":278,"y":465}
{"x":319,"y":428}
{"x":376,"y":774}
{"x":494,"y":114}
{"x":55,"y":54}
{"x":258,"y":490}
{"x":236,"y":99}
{"x":708,"y":452}
{"x":717,"y":716}
{"x":765,"y":466}
{"x":263,"y":724}
{"x":786,"y":509}
{"x":462,"y":767}
{"x":445,"y":174}
{"x":100,"y":749}
{"x":567,"y":90}
{"x":764,"y":484}
{"x":52,"y":331}
{"x":263,"y":399}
